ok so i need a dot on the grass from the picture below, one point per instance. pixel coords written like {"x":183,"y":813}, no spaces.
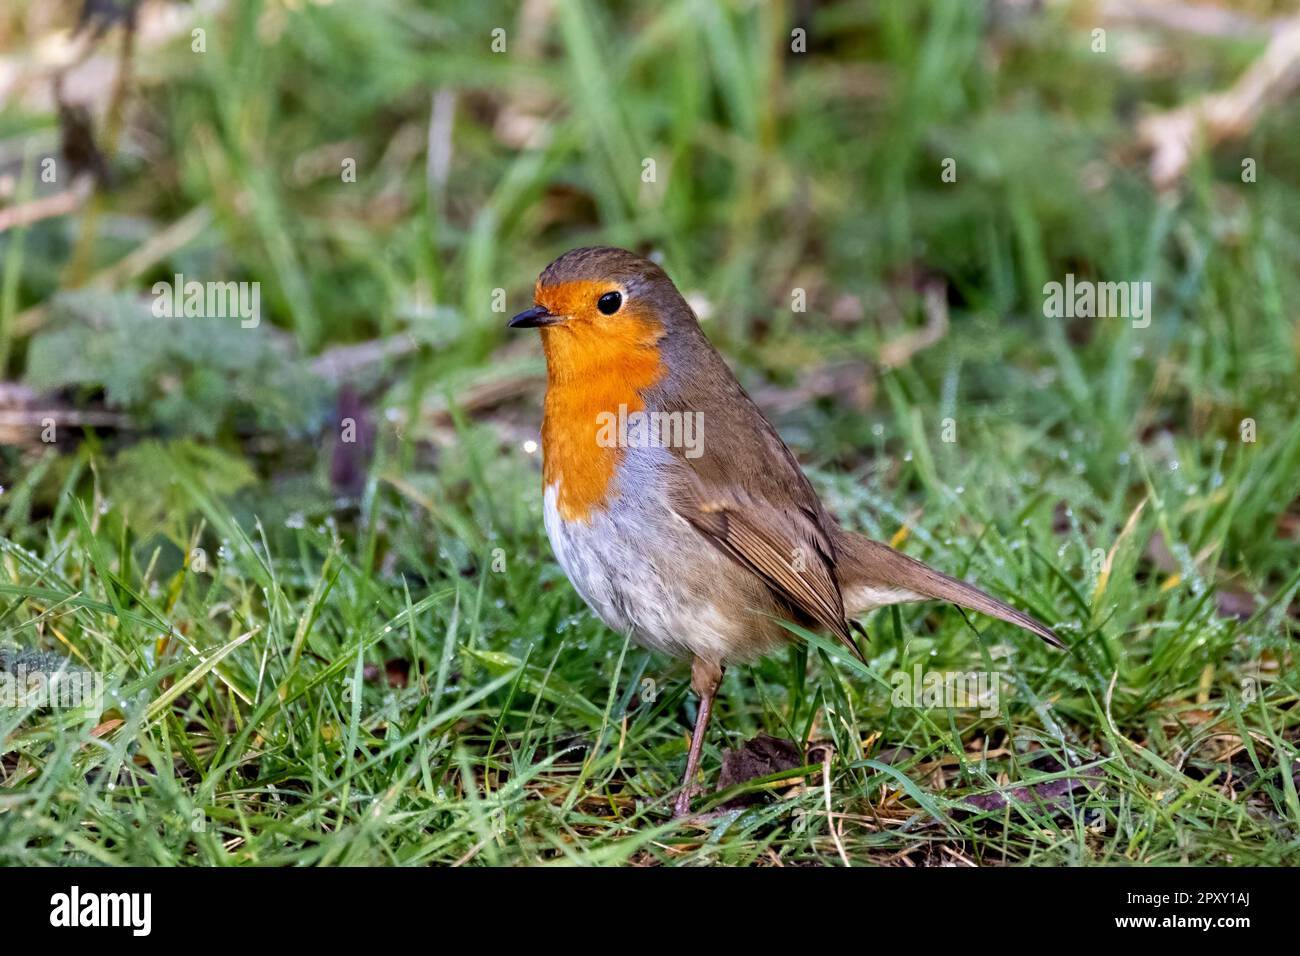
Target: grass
{"x":397,"y":672}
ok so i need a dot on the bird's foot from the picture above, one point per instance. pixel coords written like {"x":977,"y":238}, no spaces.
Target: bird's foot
{"x":682,"y":806}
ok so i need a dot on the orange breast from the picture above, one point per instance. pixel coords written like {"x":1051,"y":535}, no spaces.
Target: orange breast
{"x":592,"y":371}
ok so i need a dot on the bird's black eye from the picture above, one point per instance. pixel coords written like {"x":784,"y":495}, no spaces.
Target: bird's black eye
{"x":610,"y":302}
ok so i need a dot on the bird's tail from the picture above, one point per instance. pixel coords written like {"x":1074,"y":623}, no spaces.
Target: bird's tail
{"x":872,"y":574}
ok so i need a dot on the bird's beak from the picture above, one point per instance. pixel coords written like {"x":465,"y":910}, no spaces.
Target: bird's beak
{"x":534,"y":318}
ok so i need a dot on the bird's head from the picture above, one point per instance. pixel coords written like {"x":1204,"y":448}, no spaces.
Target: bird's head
{"x":602,"y":306}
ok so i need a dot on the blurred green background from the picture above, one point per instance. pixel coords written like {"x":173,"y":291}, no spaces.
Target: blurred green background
{"x":376,"y":626}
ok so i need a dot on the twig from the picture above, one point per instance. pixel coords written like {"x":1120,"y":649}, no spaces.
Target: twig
{"x":899,"y":351}
{"x":1200,"y":20}
{"x":344,"y":361}
{"x":46,"y":207}
{"x":1173,"y":137}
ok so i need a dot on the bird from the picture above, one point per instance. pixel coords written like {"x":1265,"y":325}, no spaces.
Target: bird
{"x":672,"y":504}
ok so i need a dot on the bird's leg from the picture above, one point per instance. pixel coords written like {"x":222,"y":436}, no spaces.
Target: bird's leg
{"x":705,"y":678}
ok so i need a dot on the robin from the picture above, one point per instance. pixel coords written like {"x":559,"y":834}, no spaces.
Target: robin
{"x":673,"y":505}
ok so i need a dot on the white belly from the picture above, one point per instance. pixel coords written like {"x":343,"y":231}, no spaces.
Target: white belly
{"x":626,"y":564}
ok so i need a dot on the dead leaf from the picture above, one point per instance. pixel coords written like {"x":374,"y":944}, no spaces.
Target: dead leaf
{"x":1051,"y":793}
{"x":760,"y":757}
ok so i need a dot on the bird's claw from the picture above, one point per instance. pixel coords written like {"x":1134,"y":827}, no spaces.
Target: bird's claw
{"x":682,"y":805}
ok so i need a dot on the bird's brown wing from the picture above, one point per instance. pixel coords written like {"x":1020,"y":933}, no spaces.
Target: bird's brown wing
{"x":743,"y":490}
{"x":747,"y":495}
